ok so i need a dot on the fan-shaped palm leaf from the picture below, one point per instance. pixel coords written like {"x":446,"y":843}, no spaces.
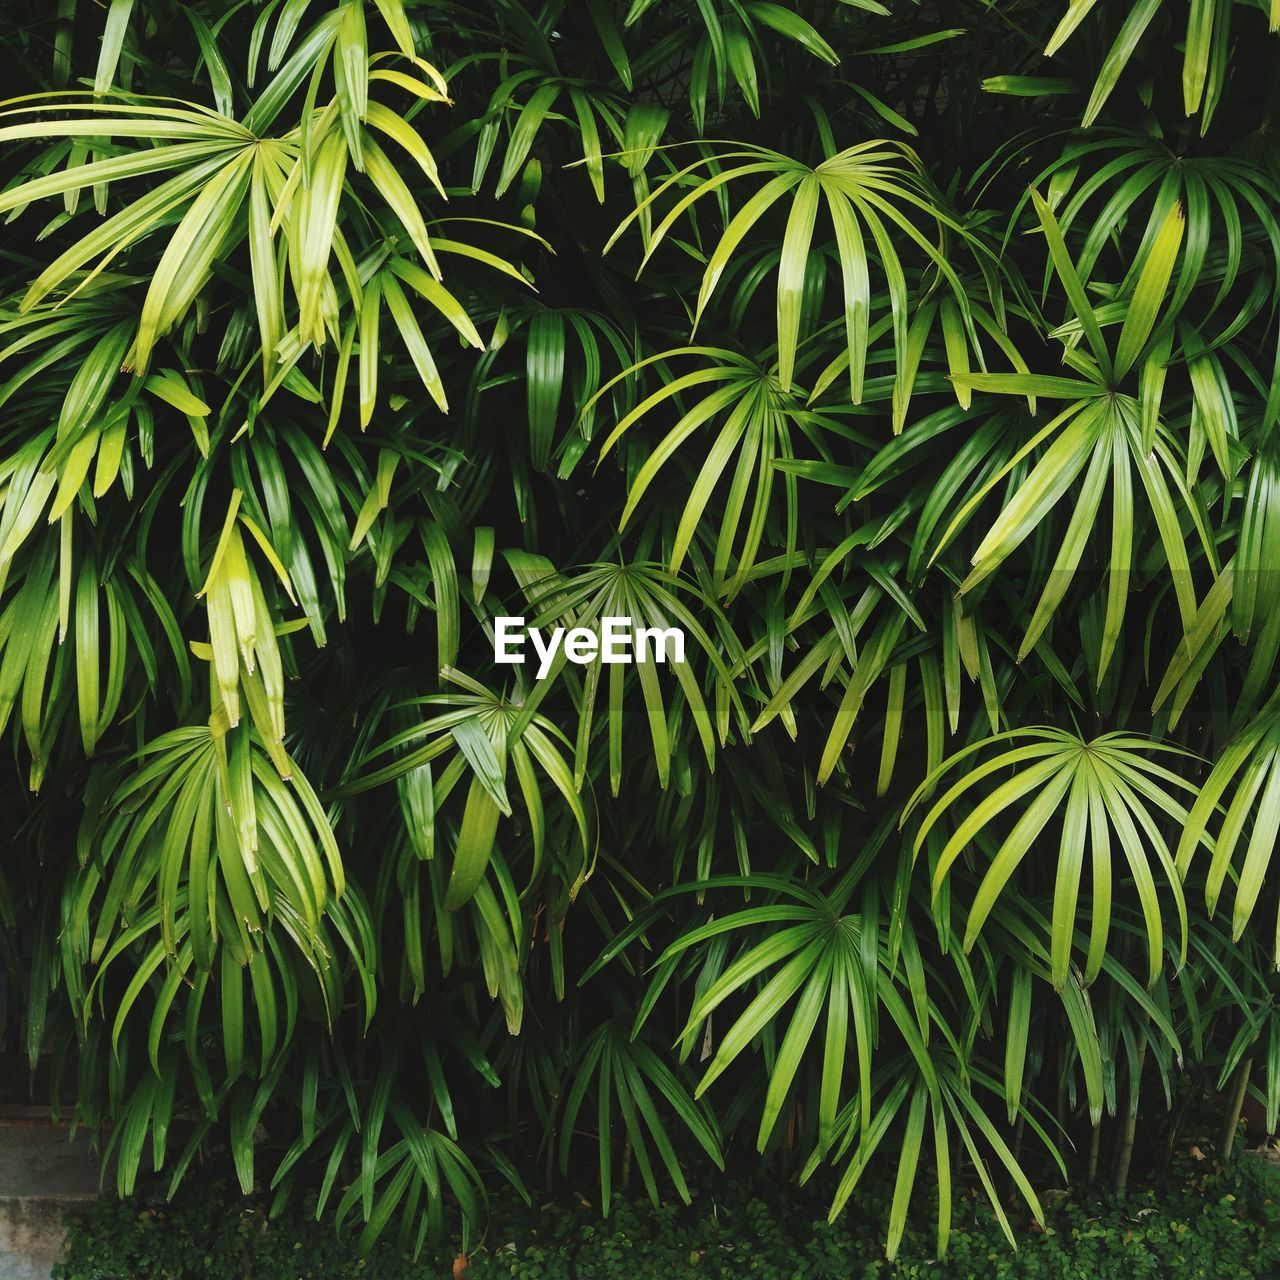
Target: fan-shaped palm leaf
{"x":1102,"y":790}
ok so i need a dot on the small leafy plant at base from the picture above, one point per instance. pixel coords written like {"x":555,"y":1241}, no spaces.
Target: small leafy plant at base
{"x":1198,"y":1221}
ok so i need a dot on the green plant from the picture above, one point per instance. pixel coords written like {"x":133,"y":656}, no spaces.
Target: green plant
{"x":927,"y":378}
{"x":1198,"y":1220}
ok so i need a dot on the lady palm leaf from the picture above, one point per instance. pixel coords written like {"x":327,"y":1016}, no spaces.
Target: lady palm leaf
{"x":1103,"y":791}
{"x":410,"y":1173}
{"x":868,"y":626}
{"x":1248,"y":768}
{"x":1099,"y":440}
{"x":630,"y":1080}
{"x":731,"y":45}
{"x":1217,"y":204}
{"x":103,"y":424}
{"x":842,"y":971}
{"x":534,"y":98}
{"x":754,"y":417}
{"x":1105,"y":436}
{"x":273,"y":845}
{"x":806,"y":945}
{"x":817,"y":956}
{"x":206,"y":867}
{"x":386,"y":289}
{"x":1241,"y":600}
{"x":484,"y":735}
{"x":232,"y":186}
{"x":242,"y":649}
{"x":1255,"y":597}
{"x":657,"y":601}
{"x":1207,"y":36}
{"x":69,"y":626}
{"x":566,"y":350}
{"x":301,"y":502}
{"x":931,"y":1100}
{"x":403,"y":1144}
{"x":871,"y":192}
{"x":1090,"y":1011}
{"x":938,"y":329}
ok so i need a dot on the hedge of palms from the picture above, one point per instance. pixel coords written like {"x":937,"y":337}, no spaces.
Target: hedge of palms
{"x":919,"y":361}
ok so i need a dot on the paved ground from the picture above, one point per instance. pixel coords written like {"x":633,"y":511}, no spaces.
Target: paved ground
{"x":43,"y":1176}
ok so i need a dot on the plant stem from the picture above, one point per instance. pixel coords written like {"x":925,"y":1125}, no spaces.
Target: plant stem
{"x":1124,"y":1153}
{"x":1232,"y":1121}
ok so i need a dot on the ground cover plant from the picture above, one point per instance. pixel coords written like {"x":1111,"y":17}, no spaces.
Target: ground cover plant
{"x":918,"y":362}
{"x":1196,"y":1220}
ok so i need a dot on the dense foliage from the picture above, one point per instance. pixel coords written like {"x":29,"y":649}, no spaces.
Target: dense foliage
{"x":918,"y":361}
{"x":1197,"y":1221}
